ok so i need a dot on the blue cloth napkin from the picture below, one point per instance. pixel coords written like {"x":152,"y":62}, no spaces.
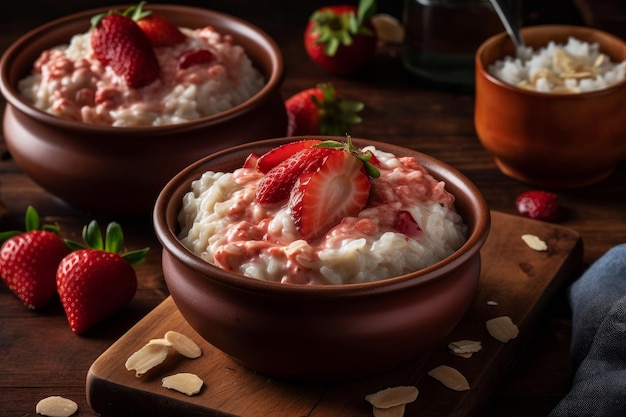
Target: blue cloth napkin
{"x":598,"y":349}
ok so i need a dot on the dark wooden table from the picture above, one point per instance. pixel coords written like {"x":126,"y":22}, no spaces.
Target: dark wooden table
{"x":40,"y":356}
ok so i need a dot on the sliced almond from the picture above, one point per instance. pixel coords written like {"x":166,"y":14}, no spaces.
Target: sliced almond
{"x":388,"y":28}
{"x":502,"y":328}
{"x":492,"y":303}
{"x":185,"y":382}
{"x":183,"y":344}
{"x":450,"y":377}
{"x":534,"y":242}
{"x":393,"y":396}
{"x":395,"y":411}
{"x":146,"y":358}
{"x":55,"y":406}
{"x":465,"y":348}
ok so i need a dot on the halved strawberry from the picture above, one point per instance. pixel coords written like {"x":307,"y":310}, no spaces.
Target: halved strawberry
{"x":339,"y":188}
{"x":276,"y":185}
{"x":278,"y":154}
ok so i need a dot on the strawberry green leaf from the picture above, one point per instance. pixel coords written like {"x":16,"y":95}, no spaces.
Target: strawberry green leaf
{"x":135,"y":257}
{"x":114,"y":238}
{"x":31,"y":219}
{"x":9,"y":234}
{"x":366,"y":10}
{"x":92,"y":236}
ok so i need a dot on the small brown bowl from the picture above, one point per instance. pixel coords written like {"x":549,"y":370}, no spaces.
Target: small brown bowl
{"x":546,"y":139}
{"x":119,"y":169}
{"x":321,"y":332}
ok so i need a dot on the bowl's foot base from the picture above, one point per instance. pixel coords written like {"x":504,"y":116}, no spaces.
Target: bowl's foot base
{"x":552,"y":181}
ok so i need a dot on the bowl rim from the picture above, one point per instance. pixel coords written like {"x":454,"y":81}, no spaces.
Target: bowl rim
{"x":503,"y":37}
{"x":169,"y":201}
{"x":273,"y":80}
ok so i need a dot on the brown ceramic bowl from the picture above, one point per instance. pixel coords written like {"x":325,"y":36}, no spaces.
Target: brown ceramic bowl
{"x":122,"y":170}
{"x":321,"y":332}
{"x":546,"y":139}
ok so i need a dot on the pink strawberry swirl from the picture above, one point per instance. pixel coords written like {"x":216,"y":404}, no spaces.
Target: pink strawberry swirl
{"x":71,"y":83}
{"x":222,"y":223}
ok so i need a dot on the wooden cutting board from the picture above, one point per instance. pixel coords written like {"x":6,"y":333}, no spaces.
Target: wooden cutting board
{"x":521,"y":281}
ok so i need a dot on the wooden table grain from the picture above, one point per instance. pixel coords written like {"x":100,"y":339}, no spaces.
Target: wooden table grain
{"x":40,"y":356}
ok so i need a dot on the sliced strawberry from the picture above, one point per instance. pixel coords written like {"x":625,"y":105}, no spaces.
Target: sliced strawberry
{"x":276,"y":185}
{"x":320,"y":199}
{"x":160,"y":30}
{"x":277,"y":155}
{"x":251,"y":161}
{"x":405,"y":223}
{"x":195,"y":57}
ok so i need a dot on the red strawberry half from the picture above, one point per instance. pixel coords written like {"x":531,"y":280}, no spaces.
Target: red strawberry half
{"x":320,"y":199}
{"x":95,"y":282}
{"x":119,"y":42}
{"x":320,"y":110}
{"x":342,"y":38}
{"x":29,"y":260}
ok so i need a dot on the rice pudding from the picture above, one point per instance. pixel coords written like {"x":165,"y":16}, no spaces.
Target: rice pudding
{"x":223,"y":223}
{"x":571,"y":67}
{"x":70,"y":82}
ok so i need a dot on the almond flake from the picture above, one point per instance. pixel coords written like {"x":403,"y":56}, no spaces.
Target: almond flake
{"x":450,"y":377}
{"x":388,"y":28}
{"x":146,"y":358}
{"x":55,"y":406}
{"x":187,"y":383}
{"x":183,"y":344}
{"x":465,"y":348}
{"x":502,"y":328}
{"x":492,"y":303}
{"x":393,"y":396}
{"x":535,"y":243}
{"x":395,"y":411}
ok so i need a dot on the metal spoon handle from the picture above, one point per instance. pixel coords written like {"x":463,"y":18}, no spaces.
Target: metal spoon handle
{"x":510,"y":20}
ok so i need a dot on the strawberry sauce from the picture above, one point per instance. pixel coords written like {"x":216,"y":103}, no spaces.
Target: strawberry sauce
{"x":222,"y":222}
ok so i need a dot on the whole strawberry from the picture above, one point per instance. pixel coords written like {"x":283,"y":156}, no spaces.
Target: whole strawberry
{"x":95,"y":281}
{"x":538,"y":205}
{"x":321,"y":111}
{"x":29,"y":260}
{"x":342,"y":38}
{"x":118,"y":41}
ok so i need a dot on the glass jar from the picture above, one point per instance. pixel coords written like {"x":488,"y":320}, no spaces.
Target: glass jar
{"x":442,"y":37}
